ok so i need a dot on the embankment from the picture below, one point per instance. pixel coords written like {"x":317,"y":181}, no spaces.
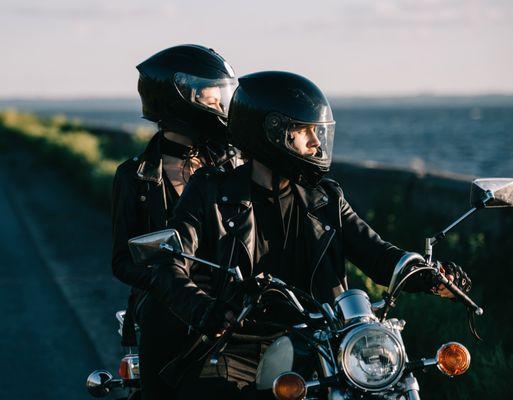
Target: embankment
{"x":406,"y":206}
{"x":403,"y":206}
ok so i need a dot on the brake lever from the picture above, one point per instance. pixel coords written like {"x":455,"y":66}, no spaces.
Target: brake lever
{"x":472,"y":324}
{"x":472,"y":308}
{"x":222,"y":341}
{"x":458,"y":293}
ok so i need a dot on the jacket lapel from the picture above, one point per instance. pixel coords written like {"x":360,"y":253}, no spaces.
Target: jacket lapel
{"x":150,"y":166}
{"x":238,"y":219}
{"x":149,"y":172}
{"x":318,"y":229}
{"x":237,"y":213}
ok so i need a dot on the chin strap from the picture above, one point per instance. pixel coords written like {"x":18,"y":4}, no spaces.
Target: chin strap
{"x":216,"y":155}
{"x":178,"y":150}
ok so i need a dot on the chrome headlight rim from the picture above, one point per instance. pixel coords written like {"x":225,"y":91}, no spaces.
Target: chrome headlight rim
{"x":343,"y":348}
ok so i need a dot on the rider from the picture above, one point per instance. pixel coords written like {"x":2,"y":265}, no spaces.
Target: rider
{"x":276,"y":214}
{"x":186,"y":91}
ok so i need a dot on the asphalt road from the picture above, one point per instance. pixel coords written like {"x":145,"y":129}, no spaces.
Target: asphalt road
{"x":57,"y":293}
{"x":45,"y":352}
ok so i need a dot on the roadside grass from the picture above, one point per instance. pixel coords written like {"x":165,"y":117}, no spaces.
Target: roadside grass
{"x":88,"y":156}
{"x":481,"y":246}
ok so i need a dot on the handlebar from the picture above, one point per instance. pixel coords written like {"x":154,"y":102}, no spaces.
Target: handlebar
{"x":440,"y":278}
{"x":255,"y":289}
{"x":408,"y":261}
{"x":458,"y":293}
{"x":472,"y":308}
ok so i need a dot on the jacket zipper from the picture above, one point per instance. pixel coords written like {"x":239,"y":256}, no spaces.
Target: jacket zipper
{"x":165,"y":200}
{"x":148,"y":220}
{"x":319,"y":261}
{"x":231,"y":253}
{"x":140,"y":304}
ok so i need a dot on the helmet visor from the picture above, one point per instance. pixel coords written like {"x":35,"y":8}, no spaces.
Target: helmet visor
{"x":212,"y":95}
{"x":312,"y":142}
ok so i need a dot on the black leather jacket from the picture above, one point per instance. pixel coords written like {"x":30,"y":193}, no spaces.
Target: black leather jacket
{"x":139,"y":205}
{"x":215,"y":220}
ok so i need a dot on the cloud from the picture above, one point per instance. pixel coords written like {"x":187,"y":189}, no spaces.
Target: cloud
{"x":98,"y":10}
{"x":439,"y":12}
{"x":456,"y":43}
{"x":352,"y":20}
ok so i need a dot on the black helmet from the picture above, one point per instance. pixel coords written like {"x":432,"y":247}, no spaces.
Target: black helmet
{"x":268,"y":112}
{"x":187,"y":89}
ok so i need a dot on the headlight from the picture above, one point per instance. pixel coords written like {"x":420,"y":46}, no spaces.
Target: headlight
{"x":372,"y":357}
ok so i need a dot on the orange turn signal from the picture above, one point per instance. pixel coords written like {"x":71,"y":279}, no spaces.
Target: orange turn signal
{"x":123,"y":368}
{"x":289,"y":386}
{"x":453,"y":359}
{"x":129,"y":367}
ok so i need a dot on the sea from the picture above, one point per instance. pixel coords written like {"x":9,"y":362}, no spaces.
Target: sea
{"x":463,"y":135}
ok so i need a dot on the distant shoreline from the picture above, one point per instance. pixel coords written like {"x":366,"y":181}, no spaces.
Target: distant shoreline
{"x":124,"y":104}
{"x":490,"y":100}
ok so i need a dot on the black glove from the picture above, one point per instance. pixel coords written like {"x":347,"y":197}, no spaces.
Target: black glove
{"x":425,"y":281}
{"x":422,"y":281}
{"x":214,"y":318}
{"x":461,"y":279}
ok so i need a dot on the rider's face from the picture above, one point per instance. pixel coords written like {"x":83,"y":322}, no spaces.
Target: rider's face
{"x":210,"y":97}
{"x":304,"y":140}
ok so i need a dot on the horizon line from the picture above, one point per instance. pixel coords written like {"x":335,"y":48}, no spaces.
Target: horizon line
{"x":355,"y":96}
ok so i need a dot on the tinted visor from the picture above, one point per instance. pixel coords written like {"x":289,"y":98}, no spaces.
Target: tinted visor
{"x":212,"y":95}
{"x":312,"y":142}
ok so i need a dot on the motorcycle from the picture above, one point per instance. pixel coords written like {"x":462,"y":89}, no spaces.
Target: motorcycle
{"x":341,"y":351}
{"x":101,"y":382}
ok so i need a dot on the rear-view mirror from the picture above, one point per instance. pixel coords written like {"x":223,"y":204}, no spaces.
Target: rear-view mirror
{"x":146,"y":249}
{"x":501,"y":190}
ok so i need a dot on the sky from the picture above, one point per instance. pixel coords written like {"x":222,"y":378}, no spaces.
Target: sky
{"x":71,"y":48}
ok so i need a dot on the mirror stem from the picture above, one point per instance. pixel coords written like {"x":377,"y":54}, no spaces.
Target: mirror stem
{"x":233,"y":271}
{"x":430,"y":242}
{"x":486,"y":198}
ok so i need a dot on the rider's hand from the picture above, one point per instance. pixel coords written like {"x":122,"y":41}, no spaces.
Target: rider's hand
{"x":457,"y":276}
{"x":217,"y":318}
{"x":229,"y":318}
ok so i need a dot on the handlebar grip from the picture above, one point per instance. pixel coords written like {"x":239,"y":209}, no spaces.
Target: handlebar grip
{"x":460,"y":295}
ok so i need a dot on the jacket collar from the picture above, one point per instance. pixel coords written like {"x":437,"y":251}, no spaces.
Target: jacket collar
{"x":312,"y":198}
{"x":236,"y":189}
{"x":150,"y":167}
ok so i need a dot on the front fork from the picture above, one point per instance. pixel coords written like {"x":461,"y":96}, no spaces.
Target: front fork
{"x":411,"y":387}
{"x":410,"y":383}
